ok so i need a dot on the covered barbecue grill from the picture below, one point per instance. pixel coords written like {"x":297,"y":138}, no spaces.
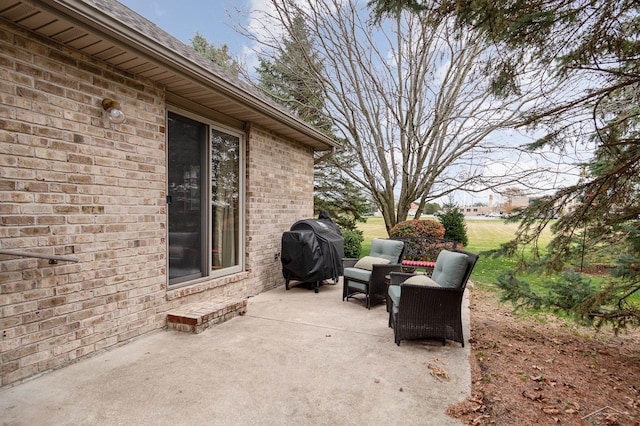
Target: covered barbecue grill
{"x":312,"y":252}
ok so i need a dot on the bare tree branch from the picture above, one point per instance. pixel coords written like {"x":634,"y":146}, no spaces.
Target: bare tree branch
{"x":410,"y":99}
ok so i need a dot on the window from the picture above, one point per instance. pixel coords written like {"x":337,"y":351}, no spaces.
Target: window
{"x":205,"y":203}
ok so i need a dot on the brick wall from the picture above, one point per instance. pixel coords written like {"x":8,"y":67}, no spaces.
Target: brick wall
{"x":71,"y":183}
{"x":280,"y":193}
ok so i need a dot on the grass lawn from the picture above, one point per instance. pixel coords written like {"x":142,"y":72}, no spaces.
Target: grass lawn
{"x":484,"y":234}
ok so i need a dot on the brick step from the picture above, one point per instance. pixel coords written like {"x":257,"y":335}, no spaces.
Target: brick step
{"x":197,"y":317}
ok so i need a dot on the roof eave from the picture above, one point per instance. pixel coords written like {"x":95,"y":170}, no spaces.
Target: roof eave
{"x":95,"y":19}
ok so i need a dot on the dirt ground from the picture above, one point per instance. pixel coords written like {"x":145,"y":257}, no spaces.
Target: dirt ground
{"x":536,"y":369}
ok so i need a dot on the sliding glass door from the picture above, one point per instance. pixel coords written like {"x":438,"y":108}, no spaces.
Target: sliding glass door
{"x":205,"y":199}
{"x":225,"y":196}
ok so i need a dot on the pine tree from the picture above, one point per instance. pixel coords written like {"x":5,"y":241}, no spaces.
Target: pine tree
{"x":455,"y":227}
{"x":219,"y":55}
{"x":286,"y":78}
{"x":594,"y":49}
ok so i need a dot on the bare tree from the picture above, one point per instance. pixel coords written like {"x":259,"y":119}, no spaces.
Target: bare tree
{"x":409,"y":96}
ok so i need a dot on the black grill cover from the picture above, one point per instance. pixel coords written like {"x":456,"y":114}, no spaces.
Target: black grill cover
{"x":312,"y":251}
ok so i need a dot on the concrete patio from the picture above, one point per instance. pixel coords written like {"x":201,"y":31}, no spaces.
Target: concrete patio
{"x":295,"y":358}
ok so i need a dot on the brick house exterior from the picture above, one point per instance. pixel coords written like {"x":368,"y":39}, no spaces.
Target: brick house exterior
{"x":73,"y":184}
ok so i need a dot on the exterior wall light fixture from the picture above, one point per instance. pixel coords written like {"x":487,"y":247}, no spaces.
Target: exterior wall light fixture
{"x":114,"y":112}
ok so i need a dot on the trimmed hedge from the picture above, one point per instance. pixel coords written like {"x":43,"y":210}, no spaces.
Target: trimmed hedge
{"x":418,"y":228}
{"x":352,"y":243}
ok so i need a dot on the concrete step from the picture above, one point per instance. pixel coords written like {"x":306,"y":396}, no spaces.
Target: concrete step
{"x":197,"y":317}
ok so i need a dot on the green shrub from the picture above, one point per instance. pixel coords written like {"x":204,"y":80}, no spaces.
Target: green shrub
{"x":352,"y":243}
{"x":418,"y":228}
{"x":452,"y":219}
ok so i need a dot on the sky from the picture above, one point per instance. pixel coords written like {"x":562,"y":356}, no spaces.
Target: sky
{"x":214,"y":19}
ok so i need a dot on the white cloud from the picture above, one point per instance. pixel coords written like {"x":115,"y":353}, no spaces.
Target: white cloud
{"x":260,"y":26}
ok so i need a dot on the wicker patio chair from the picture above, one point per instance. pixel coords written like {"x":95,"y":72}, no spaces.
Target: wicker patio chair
{"x":431,"y":307}
{"x":367,"y":275}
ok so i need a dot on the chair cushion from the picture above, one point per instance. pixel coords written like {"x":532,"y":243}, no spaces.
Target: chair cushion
{"x":450,"y":269}
{"x":358,"y":286}
{"x":421,"y":280}
{"x":394,"y":294}
{"x":387,"y":249}
{"x":357,"y":274}
{"x":367,"y":262}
